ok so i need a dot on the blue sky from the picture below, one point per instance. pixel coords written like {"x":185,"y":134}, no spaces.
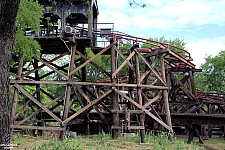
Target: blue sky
{"x":200,"y":23}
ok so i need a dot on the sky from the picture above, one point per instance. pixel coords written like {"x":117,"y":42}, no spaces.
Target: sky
{"x":200,"y":23}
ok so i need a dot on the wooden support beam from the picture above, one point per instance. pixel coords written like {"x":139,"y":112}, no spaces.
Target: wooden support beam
{"x":68,"y":91}
{"x":39,"y":110}
{"x":38,"y":128}
{"x":139,"y":98}
{"x":194,"y":91}
{"x":51,"y":72}
{"x":38,"y":103}
{"x":89,"y":84}
{"x":143,"y":109}
{"x":15,"y":95}
{"x":89,"y":101}
{"x":136,"y":128}
{"x":130,"y":65}
{"x":115,"y":105}
{"x":35,"y":69}
{"x":24,"y":106}
{"x":123,"y":64}
{"x":152,"y":69}
{"x":184,"y":89}
{"x":91,"y":59}
{"x":176,"y":87}
{"x":194,"y":108}
{"x":165,"y":94}
{"x":57,"y":71}
{"x":150,"y":101}
{"x":86,"y":107}
{"x":94,"y":64}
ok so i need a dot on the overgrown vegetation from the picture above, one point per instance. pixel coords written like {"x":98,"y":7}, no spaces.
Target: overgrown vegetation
{"x":212,"y":78}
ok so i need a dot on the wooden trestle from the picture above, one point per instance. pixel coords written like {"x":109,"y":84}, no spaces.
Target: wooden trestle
{"x":159,"y":84}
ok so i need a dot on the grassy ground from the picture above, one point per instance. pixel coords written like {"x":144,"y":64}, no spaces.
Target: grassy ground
{"x":104,"y":142}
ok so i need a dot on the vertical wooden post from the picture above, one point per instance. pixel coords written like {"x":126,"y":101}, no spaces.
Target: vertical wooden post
{"x":84,"y":79}
{"x":190,"y":134}
{"x":68,"y":91}
{"x":192,"y":84}
{"x":165,"y":93}
{"x":15,"y":96}
{"x":38,"y":94}
{"x":139,"y":98}
{"x":115,"y":105}
{"x":90,"y":19}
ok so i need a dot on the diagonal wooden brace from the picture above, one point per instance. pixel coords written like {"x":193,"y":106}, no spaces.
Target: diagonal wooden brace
{"x":143,"y":109}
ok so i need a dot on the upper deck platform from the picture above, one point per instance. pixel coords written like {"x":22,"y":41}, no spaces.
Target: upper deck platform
{"x":58,"y":45}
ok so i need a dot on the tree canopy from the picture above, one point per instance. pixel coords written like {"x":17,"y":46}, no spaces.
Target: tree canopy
{"x":212,"y":77}
{"x":28,"y":17}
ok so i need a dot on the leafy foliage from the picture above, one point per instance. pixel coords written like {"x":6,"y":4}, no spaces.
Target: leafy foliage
{"x":28,"y":16}
{"x":212,"y":77}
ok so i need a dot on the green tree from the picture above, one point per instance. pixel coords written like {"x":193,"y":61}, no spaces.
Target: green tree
{"x":28,"y":17}
{"x":212,"y":77}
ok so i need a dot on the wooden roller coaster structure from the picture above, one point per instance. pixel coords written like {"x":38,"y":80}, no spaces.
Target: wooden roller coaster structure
{"x":157,"y":91}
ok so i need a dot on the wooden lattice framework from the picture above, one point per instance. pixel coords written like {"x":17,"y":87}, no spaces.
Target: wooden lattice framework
{"x":159,"y":84}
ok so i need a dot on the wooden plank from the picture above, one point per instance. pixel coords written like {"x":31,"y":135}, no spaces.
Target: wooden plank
{"x":51,"y":72}
{"x":16,"y":93}
{"x":153,"y":87}
{"x":89,"y":101}
{"x":66,"y":103}
{"x":54,"y":59}
{"x":150,"y":101}
{"x":143,"y":109}
{"x":24,"y":106}
{"x":86,"y":107}
{"x":116,"y":127}
{"x":89,"y":83}
{"x":123,"y":64}
{"x":152,"y":69}
{"x":124,"y":111}
{"x":57,"y":71}
{"x":52,"y":128}
{"x":62,"y":68}
{"x":194,"y":108}
{"x":140,"y":101}
{"x":136,"y":128}
{"x":145,"y":74}
{"x":37,"y":102}
{"x":119,"y":52}
{"x":115,"y":105}
{"x":194,"y":91}
{"x":39,"y":110}
{"x":91,"y":59}
{"x":165,"y":95}
{"x":94,"y":64}
{"x":183,"y":80}
{"x":183,"y":88}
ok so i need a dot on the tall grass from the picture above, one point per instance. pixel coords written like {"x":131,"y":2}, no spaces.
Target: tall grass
{"x":104,"y":142}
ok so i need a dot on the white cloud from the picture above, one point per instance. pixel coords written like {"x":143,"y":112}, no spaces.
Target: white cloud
{"x":162,"y":14}
{"x":199,"y":49}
